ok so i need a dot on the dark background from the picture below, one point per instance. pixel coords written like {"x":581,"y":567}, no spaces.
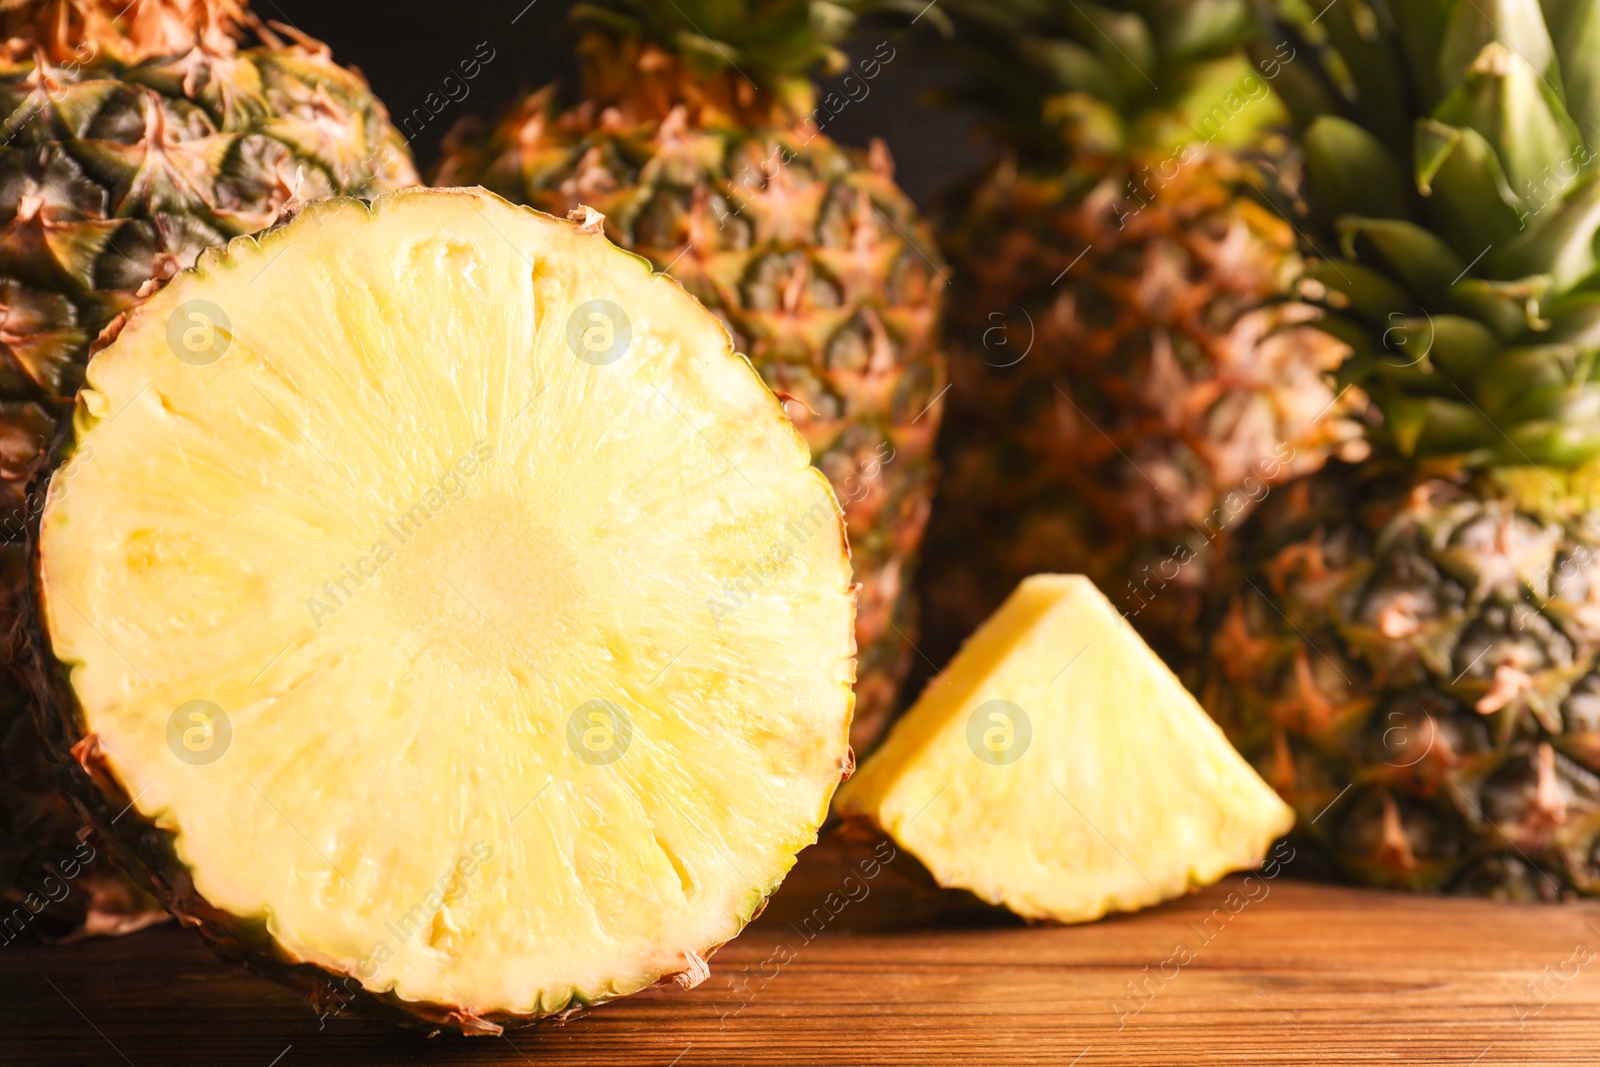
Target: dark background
{"x":407,"y":49}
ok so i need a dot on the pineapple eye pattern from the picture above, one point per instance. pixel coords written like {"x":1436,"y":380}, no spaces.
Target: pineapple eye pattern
{"x":999,"y":732}
{"x":199,"y":733}
{"x":599,"y":332}
{"x":599,"y":732}
{"x":199,"y":332}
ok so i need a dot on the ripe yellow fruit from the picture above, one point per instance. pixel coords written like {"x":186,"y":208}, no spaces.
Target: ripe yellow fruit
{"x":374,"y":585}
{"x":1058,"y":768}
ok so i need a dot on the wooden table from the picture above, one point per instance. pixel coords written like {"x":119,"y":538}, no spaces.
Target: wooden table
{"x":903,"y":974}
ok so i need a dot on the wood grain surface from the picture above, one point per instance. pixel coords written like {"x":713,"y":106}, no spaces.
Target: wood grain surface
{"x":854,"y":970}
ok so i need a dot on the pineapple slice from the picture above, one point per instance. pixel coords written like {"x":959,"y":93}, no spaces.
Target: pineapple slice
{"x":1058,"y":768}
{"x":453,"y":610}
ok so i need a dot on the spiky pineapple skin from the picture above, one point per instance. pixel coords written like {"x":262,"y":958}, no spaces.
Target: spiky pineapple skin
{"x":1126,"y":384}
{"x":115,"y":173}
{"x":818,"y":265}
{"x":56,"y":883}
{"x":1414,"y":664}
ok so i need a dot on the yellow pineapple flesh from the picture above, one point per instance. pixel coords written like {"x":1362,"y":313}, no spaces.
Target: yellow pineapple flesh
{"x":1058,"y":768}
{"x":375,"y":580}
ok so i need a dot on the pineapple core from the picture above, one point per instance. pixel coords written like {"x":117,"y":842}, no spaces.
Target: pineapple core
{"x":397,"y":566}
{"x":1058,"y":768}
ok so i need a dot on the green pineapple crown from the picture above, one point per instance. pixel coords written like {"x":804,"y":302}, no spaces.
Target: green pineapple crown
{"x":775,"y":46}
{"x":1110,"y":75}
{"x":1454,"y":190}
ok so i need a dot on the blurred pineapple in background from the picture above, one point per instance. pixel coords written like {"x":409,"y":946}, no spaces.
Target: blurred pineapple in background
{"x":695,"y":137}
{"x":1128,"y":378}
{"x":1409,"y":648}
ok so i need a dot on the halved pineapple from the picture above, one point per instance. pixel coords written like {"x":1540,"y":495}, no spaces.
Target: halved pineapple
{"x":1060,"y":769}
{"x":457,"y":613}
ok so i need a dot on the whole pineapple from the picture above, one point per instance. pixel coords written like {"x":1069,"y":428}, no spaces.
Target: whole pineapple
{"x":1409,"y":648}
{"x":697,"y":137}
{"x":132,"y":136}
{"x":1127,"y":377}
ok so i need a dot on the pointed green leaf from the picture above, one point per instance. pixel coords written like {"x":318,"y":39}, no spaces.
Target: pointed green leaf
{"x":1575,"y":28}
{"x":1420,"y":26}
{"x":705,"y":53}
{"x":1409,"y":343}
{"x":1375,"y":68}
{"x":1360,"y":292}
{"x":1404,"y":421}
{"x":1516,"y":111}
{"x":1349,"y":172}
{"x":1087,"y":123}
{"x":1558,"y":427}
{"x":1223,"y":102}
{"x":1504,"y":389}
{"x":1560,"y":242}
{"x":1510,"y":309}
{"x":1299,"y":84}
{"x":1346,"y":330}
{"x":1575,"y":320}
{"x":1516,"y":25}
{"x":1459,"y":346}
{"x":1075,"y":69}
{"x":1469,"y":199}
{"x":1415,"y":257}
{"x":1454,"y":426}
{"x":1197,"y":29}
{"x":1544,"y":398}
{"x":1123,"y":43}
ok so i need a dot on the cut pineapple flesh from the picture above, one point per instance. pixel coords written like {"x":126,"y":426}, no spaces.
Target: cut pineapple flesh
{"x":1060,"y":769}
{"x":464,"y":608}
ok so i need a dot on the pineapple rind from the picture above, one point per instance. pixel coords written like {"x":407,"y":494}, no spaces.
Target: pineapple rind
{"x":1415,"y":671}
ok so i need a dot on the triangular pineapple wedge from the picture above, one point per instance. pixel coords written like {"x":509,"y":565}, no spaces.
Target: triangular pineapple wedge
{"x":1059,"y":768}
